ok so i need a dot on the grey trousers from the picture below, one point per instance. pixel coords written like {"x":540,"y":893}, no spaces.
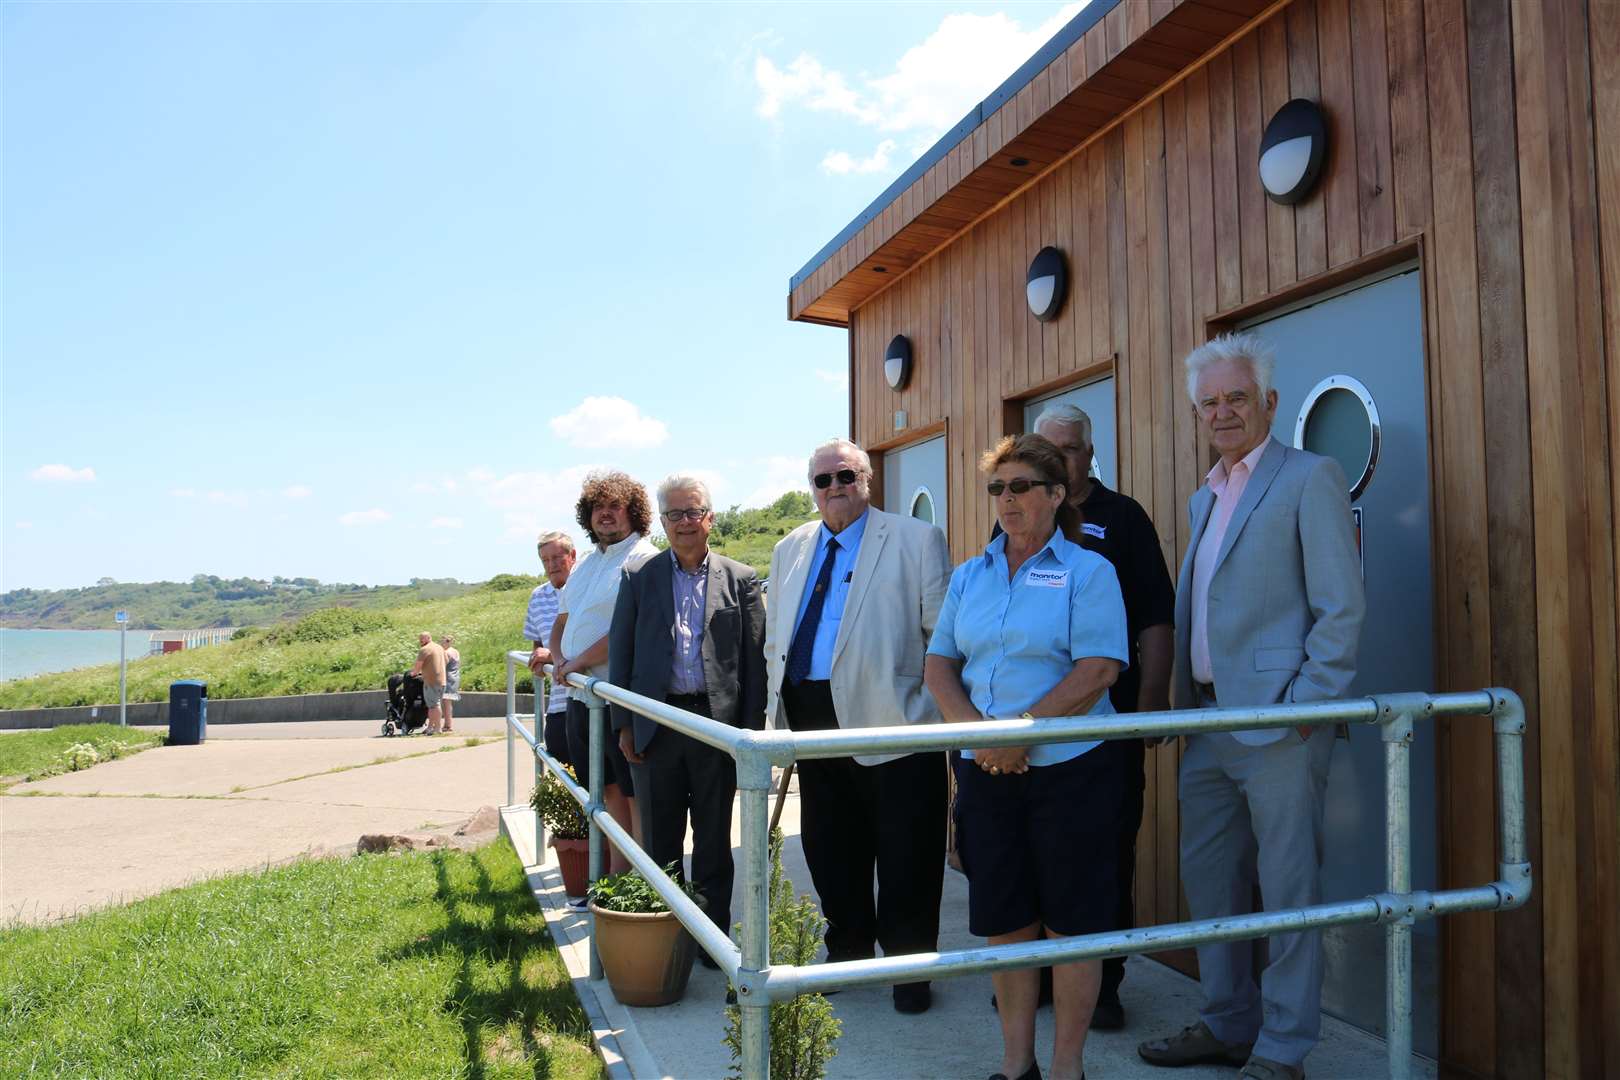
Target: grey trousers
{"x":1248,"y":812}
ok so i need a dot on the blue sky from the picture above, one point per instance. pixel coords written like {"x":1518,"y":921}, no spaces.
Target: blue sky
{"x":360,"y":291}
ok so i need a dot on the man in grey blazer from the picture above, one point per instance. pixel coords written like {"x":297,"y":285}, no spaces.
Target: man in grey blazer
{"x":1268,"y":610}
{"x":854,"y":597}
{"x":688,"y":629}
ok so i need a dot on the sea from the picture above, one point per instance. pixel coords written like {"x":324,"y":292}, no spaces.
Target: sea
{"x":35,"y":652}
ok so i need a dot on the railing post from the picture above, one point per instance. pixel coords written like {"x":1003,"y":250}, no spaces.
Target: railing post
{"x":598,"y":861}
{"x":1395,"y":726}
{"x":511,"y":738}
{"x":754,"y":790}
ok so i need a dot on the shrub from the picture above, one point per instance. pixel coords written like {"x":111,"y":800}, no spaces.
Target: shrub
{"x":632,"y":894}
{"x":557,"y":809}
{"x":330,"y":624}
{"x":804,"y":1029}
{"x":509,"y":582}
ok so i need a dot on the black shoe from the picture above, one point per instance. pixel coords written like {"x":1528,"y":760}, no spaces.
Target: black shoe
{"x":1031,"y":1073}
{"x":709,"y":962}
{"x":1108,"y":1016}
{"x":912,"y":998}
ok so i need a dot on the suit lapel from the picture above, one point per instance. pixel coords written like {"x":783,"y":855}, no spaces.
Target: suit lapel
{"x":1265,"y":471}
{"x":877,"y":533}
{"x":785,"y":603}
{"x":662,"y":583}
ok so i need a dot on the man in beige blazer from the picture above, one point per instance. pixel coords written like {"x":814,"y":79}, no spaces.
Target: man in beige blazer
{"x":853,"y":602}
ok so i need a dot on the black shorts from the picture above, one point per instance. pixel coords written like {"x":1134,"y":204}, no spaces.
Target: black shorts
{"x":579,"y":750}
{"x":1041,"y":847}
{"x":556,"y":735}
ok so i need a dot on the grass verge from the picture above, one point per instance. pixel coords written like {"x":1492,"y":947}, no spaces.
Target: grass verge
{"x":34,"y":755}
{"x":422,"y":965}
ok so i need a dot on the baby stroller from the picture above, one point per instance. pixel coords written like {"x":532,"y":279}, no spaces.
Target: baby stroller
{"x":406,"y":709}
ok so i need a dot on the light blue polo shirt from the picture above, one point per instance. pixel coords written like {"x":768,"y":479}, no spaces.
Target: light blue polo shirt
{"x":1017,"y":639}
{"x":832,"y":611}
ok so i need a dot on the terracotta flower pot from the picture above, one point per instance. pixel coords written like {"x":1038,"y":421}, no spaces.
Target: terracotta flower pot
{"x":574,"y":860}
{"x":647,"y":958}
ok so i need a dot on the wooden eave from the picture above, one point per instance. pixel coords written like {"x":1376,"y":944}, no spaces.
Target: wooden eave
{"x":1132,"y":52}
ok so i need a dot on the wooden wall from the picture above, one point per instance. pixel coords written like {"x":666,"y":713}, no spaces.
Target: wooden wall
{"x":1482,"y":138}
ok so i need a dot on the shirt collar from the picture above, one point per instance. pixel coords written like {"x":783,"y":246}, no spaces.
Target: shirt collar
{"x":623,"y":545}
{"x":1059,"y":545}
{"x":849,"y":539}
{"x":1218,"y":476}
{"x":702,"y":567}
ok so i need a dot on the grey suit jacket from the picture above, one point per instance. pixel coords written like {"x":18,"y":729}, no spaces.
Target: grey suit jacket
{"x":1286,"y":599}
{"x":641,"y":642}
{"x":899,"y":581}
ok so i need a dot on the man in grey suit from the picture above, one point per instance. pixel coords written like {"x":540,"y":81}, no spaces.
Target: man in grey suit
{"x":688,"y":629}
{"x":1268,"y":610}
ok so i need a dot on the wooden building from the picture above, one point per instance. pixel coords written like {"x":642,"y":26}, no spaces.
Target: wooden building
{"x":1473,"y":148}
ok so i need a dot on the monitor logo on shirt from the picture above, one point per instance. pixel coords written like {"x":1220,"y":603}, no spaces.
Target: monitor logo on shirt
{"x":1099,"y":531}
{"x":1048,"y":579}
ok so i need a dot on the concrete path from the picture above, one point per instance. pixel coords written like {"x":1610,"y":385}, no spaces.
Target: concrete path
{"x":958,"y":1037}
{"x":251,"y":795}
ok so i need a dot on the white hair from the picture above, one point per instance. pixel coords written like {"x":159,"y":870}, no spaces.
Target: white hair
{"x":555,"y":537}
{"x":1241,"y":348}
{"x":862,"y":458}
{"x":682,"y":482}
{"x":1064,"y":415}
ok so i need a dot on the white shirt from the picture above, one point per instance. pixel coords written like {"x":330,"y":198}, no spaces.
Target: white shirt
{"x":589,"y":596}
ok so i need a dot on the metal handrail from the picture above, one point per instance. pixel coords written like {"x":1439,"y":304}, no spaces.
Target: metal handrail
{"x":759,"y":982}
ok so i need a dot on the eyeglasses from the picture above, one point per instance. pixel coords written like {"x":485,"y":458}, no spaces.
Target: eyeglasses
{"x":696,"y":513}
{"x":824,"y":480}
{"x":1017,"y":487}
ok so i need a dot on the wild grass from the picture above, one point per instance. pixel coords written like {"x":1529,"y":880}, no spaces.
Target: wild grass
{"x":34,"y":755}
{"x":418,"y":965}
{"x":287,"y":660}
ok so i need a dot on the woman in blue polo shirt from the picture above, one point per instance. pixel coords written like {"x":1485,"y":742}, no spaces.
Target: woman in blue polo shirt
{"x":1034,"y":627}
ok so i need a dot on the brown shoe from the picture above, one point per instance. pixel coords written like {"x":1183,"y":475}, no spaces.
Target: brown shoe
{"x":1259,"y":1068}
{"x":1194,"y":1045}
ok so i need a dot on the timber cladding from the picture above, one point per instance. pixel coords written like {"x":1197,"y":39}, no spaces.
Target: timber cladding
{"x":1480,"y":138}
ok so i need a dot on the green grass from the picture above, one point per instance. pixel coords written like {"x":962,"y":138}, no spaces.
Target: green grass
{"x":419,"y":965}
{"x":32,"y":755}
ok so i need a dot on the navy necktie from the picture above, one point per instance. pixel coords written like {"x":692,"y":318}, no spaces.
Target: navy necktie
{"x":804,"y":641}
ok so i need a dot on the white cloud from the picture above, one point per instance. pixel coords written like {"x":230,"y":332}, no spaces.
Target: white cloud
{"x":228,"y":498}
{"x":836,"y":377}
{"x":297,"y":491}
{"x":445,"y":523}
{"x":600,"y":422}
{"x":25,"y":525}
{"x":63,"y":474}
{"x":777,"y":476}
{"x":931,"y":87}
{"x":183,"y":493}
{"x":364,"y":517}
{"x":839,"y":162}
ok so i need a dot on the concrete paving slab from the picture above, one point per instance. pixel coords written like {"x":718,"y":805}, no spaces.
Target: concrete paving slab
{"x":959,"y":1036}
{"x":457,"y":781}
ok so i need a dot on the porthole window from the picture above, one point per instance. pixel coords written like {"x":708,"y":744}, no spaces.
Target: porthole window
{"x":922,"y":505}
{"x":1340,"y":420}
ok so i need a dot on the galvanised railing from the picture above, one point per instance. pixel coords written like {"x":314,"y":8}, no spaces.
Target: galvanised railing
{"x":759,"y":982}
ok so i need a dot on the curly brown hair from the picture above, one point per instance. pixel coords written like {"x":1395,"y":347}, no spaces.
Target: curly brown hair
{"x":1042,"y":455}
{"x":613,"y":487}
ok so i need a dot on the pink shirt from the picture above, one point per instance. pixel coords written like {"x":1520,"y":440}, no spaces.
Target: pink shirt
{"x":1228,"y":489}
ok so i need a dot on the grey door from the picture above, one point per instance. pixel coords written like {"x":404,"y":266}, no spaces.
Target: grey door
{"x":1096,"y":400}
{"x":914,"y":482}
{"x":1371,"y":337}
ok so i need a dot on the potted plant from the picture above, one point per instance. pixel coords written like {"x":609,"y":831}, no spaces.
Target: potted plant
{"x":646,"y":952}
{"x":570,"y":832}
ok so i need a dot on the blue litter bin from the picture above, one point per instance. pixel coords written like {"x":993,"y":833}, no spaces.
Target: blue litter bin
{"x":188,"y":712}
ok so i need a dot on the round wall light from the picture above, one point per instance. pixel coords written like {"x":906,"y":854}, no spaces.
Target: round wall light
{"x":1046,"y":284}
{"x":897,"y":362}
{"x":1292,"y":151}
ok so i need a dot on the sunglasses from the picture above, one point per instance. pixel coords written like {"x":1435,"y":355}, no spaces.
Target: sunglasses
{"x":824,"y":480}
{"x":1017,"y":487}
{"x":696,"y":513}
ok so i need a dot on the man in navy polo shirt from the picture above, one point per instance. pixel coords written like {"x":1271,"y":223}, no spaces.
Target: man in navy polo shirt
{"x":1117,"y":528}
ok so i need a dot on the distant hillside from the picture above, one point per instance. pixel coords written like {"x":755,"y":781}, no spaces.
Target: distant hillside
{"x":206,"y":601}
{"x":749,"y":535}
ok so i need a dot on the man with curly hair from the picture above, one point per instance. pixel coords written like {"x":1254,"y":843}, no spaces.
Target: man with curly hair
{"x":615,"y":513}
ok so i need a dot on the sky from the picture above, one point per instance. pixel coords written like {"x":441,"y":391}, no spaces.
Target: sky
{"x":362,"y":291}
